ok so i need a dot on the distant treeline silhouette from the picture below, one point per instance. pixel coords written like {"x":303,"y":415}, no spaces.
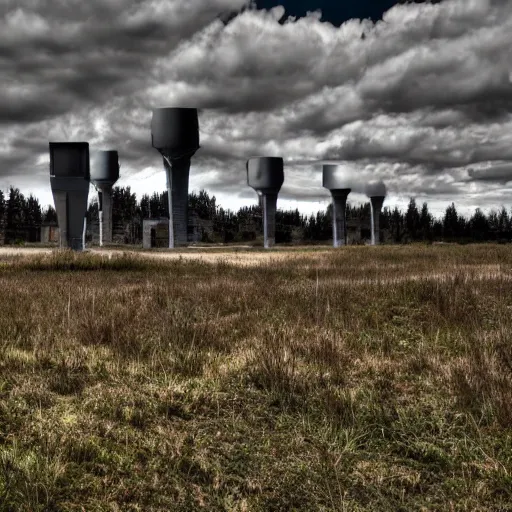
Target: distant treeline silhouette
{"x":21,"y":219}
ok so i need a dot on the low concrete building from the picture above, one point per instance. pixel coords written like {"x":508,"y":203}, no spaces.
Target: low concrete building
{"x":49,"y":232}
{"x":155,"y":233}
{"x":199,"y":230}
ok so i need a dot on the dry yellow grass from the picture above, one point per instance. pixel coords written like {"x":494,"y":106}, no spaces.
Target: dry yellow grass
{"x":355,"y":379}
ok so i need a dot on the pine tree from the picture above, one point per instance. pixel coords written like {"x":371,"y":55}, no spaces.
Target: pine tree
{"x":425,"y":223}
{"x":503,"y":224}
{"x":32,"y":212}
{"x":479,"y":226}
{"x":145,"y":211}
{"x":204,"y":205}
{"x":451,"y":222}
{"x":3,"y":207}
{"x":493,"y":225}
{"x":49,"y":214}
{"x":396,"y":224}
{"x":412,"y":220}
{"x":16,"y":205}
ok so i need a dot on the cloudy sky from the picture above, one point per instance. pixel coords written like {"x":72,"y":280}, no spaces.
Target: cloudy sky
{"x":418,"y":95}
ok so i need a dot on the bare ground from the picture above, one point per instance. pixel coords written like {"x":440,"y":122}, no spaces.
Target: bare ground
{"x":229,"y":256}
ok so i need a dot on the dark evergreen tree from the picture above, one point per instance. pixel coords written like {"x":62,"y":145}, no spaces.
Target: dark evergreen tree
{"x":310,"y":231}
{"x":385,"y":218}
{"x":16,"y":206}
{"x":412,"y":220}
{"x":204,"y":205}
{"x":3,"y":207}
{"x":479,"y":226}
{"x":32,"y":214}
{"x":124,"y":210}
{"x":464,"y":229}
{"x":33,"y":217}
{"x":124,"y":205}
{"x":49,"y":214}
{"x":396,"y":224}
{"x":437,"y":229}
{"x":493,"y":222}
{"x":503,"y":224}
{"x":2,"y":204}
{"x":451,"y":223}
{"x":22,"y":217}
{"x":426,"y":222}
{"x":158,"y":206}
{"x":225,"y":225}
{"x":145,"y":211}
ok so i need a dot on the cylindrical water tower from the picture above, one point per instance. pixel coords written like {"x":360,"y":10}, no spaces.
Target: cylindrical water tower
{"x":104,"y":173}
{"x":69,"y":180}
{"x":376,"y":202}
{"x":265,"y":174}
{"x":377,"y":193}
{"x":175,"y":133}
{"x":333,"y":180}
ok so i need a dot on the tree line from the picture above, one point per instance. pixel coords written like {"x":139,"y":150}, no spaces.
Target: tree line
{"x":21,"y":218}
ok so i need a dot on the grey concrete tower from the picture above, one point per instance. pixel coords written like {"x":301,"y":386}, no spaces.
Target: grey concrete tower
{"x":265,"y":174}
{"x":104,"y":173}
{"x":377,"y":193}
{"x":339,"y":192}
{"x":69,"y":179}
{"x":376,"y":202}
{"x":175,"y":133}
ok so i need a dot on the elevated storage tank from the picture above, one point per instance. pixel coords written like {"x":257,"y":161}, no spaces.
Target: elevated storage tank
{"x":376,"y":191}
{"x":265,"y":175}
{"x":376,"y":202}
{"x":175,"y":133}
{"x":104,"y":173}
{"x":333,"y":181}
{"x":69,"y":180}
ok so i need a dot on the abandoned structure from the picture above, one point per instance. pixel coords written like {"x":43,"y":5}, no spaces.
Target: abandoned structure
{"x":69,"y":180}
{"x":265,"y":175}
{"x":376,"y":191}
{"x":104,"y":173}
{"x":49,"y":232}
{"x":175,"y":134}
{"x":333,"y":180}
{"x":155,"y":232}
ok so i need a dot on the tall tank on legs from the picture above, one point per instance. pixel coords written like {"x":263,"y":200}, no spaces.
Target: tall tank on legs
{"x":265,"y":174}
{"x":69,"y":180}
{"x":104,"y":173}
{"x":376,"y":191}
{"x":175,"y":134}
{"x":334,"y":181}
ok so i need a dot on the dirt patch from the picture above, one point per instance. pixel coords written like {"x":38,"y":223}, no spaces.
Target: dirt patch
{"x":245,"y":258}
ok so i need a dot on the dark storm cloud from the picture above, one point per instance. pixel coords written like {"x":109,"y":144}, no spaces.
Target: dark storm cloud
{"x":425,"y":95}
{"x":219,"y":175}
{"x":499,"y":173}
{"x":442,"y":70}
{"x":435,"y":187}
{"x":408,"y":140}
{"x":61,"y":55}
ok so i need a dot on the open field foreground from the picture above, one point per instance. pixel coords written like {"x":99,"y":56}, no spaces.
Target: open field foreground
{"x":359,"y":379}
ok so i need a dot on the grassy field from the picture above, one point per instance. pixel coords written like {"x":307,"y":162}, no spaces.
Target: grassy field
{"x":360,"y":379}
